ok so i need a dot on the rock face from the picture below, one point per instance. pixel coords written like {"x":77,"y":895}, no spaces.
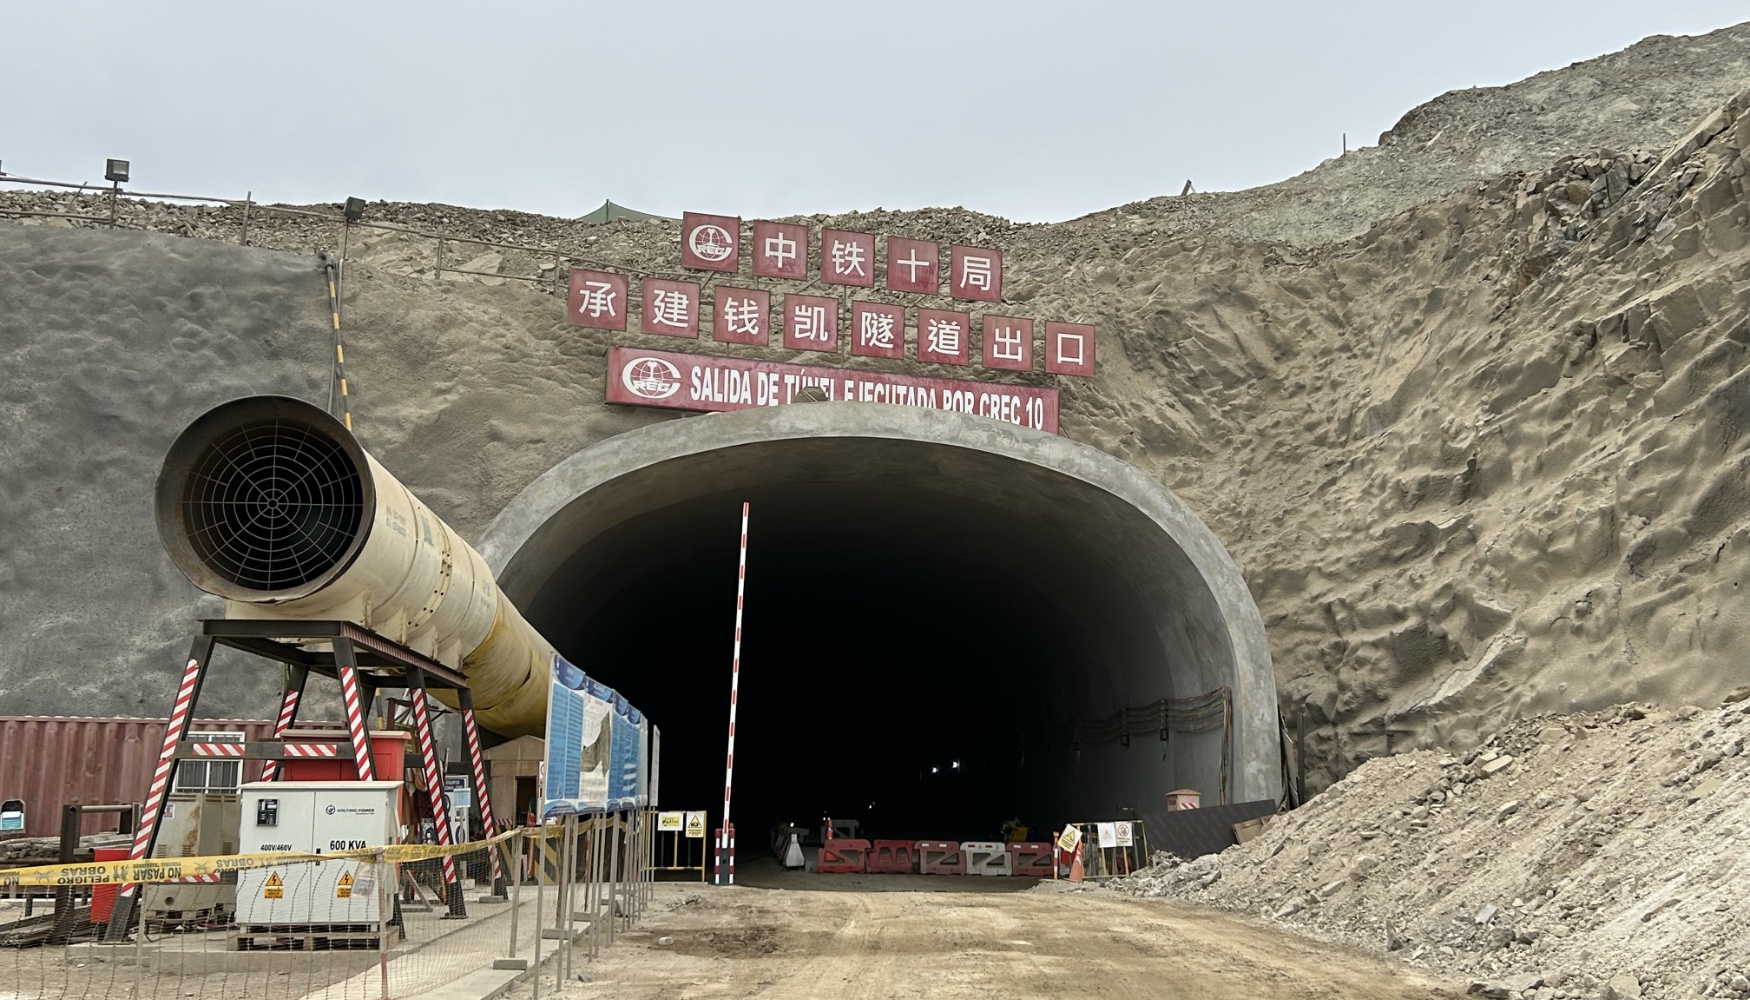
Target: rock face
{"x":1482,"y":457}
{"x":1616,"y":879}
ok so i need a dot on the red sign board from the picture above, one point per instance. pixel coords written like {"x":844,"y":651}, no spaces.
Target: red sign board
{"x":847,"y":258}
{"x":743,"y":316}
{"x":671,"y":307}
{"x":696,"y":382}
{"x":780,"y":249}
{"x":911,"y":265}
{"x":1008,"y":343}
{"x":877,"y":330}
{"x":975,"y":273}
{"x":597,"y":299}
{"x":710,"y":242}
{"x":944,"y":337}
{"x":811,"y":323}
{"x":1069,"y":348}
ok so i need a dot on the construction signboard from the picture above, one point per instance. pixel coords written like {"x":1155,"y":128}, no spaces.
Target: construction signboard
{"x":704,"y":383}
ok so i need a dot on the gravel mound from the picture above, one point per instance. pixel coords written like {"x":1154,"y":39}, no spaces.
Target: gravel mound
{"x":1568,"y":856}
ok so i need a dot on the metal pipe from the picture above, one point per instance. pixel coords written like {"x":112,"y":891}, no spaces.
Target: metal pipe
{"x":271,"y":504}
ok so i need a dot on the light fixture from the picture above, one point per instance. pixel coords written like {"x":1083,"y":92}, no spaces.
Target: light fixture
{"x":1124,"y":740}
{"x":956,"y":765}
{"x":935,"y":770}
{"x":1163,"y":734}
{"x":115,"y":171}
{"x":355,"y":209}
{"x":1076,"y":745}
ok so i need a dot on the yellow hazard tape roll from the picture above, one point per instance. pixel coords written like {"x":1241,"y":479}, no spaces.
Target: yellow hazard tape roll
{"x":180,"y":869}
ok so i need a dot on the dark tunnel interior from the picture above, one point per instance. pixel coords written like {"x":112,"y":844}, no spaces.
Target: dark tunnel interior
{"x":910,"y":659}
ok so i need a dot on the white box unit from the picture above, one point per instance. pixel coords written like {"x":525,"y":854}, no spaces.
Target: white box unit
{"x":317,"y":817}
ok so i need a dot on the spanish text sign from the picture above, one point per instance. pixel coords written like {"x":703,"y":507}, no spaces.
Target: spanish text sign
{"x":698,"y":382}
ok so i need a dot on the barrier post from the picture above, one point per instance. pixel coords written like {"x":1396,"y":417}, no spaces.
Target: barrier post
{"x":725,"y":839}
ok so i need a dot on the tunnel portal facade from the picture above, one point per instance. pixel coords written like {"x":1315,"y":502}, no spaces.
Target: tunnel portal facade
{"x":945,"y":614}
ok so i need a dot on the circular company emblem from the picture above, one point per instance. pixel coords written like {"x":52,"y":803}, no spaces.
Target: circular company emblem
{"x":711,"y":242}
{"x":329,"y":810}
{"x":652,"y":378}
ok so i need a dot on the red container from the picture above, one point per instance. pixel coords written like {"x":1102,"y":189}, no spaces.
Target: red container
{"x":388,"y":757}
{"x":51,"y":761}
{"x":103,"y":896}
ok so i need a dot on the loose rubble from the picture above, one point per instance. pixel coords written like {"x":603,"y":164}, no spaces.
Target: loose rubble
{"x":1581,"y":856}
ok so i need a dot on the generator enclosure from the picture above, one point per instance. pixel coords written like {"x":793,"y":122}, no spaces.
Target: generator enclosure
{"x":316,"y":817}
{"x":194,"y":825}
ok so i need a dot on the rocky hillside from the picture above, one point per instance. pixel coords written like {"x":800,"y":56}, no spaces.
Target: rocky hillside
{"x":1478,"y":444}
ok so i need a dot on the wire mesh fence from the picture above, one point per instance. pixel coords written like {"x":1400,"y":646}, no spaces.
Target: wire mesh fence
{"x":379,"y":923}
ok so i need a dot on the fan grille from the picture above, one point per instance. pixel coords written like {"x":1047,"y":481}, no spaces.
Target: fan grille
{"x":272,"y":505}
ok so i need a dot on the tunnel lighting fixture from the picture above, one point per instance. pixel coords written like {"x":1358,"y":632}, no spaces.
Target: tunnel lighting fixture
{"x":935,"y":770}
{"x":1076,"y":745}
{"x":115,"y":171}
{"x":355,"y":209}
{"x":956,"y":765}
{"x":1163,"y":734}
{"x":1124,"y":740}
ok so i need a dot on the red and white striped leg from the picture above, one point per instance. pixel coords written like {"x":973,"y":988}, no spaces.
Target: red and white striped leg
{"x":434,"y":785}
{"x":295,"y":678}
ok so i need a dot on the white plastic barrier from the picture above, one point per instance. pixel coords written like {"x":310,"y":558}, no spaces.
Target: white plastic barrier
{"x":986,"y":857}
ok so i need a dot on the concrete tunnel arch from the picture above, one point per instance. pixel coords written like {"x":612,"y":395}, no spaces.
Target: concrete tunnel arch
{"x":1124,"y":596}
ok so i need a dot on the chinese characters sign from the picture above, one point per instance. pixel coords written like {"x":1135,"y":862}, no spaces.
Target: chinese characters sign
{"x":839,"y":320}
{"x":701,"y":383}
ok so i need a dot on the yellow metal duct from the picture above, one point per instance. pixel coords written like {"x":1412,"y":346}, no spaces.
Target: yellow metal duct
{"x":270,"y":503}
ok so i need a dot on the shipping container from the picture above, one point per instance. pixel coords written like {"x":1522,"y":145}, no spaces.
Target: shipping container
{"x":49,"y":761}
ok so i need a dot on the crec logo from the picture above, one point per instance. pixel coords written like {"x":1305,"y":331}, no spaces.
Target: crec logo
{"x":651,"y":378}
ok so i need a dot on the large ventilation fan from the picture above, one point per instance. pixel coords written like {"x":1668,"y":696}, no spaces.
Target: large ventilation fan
{"x":272,"y":505}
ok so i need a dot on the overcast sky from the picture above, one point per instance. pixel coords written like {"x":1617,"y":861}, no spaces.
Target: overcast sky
{"x":1035,"y":111}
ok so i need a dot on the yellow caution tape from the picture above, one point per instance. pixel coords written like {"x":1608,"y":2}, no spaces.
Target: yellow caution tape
{"x":181,"y":869}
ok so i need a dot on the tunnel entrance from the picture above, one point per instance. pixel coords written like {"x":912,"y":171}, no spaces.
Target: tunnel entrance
{"x":949,"y":621}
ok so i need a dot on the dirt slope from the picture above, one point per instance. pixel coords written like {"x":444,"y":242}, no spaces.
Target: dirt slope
{"x":1565,"y":854}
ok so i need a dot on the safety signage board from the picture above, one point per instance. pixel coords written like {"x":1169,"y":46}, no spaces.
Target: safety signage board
{"x":1108,"y":833}
{"x":273,"y":888}
{"x":595,"y":749}
{"x":696,"y":825}
{"x":1126,"y":835}
{"x":670,"y":822}
{"x":343,"y":888}
{"x":1069,"y":838}
{"x":667,"y":379}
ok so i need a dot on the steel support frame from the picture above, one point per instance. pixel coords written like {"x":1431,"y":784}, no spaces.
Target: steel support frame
{"x":434,"y":787}
{"x":296,"y":677}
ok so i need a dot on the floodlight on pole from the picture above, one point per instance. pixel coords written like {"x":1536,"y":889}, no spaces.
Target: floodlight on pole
{"x":355,"y":209}
{"x":115,"y":171}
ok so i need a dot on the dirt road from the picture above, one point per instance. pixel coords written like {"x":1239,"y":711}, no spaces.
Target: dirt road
{"x":778,"y":944}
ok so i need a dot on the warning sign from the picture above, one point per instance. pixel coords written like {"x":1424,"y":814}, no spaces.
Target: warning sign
{"x":273,"y":888}
{"x":1126,"y":835}
{"x":696,"y":825}
{"x":1069,"y":838}
{"x":1108,"y":834}
{"x":343,"y":888}
{"x":670,"y":822}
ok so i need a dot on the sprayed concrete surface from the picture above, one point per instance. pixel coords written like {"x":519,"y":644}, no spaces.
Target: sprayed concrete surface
{"x":744,"y":942}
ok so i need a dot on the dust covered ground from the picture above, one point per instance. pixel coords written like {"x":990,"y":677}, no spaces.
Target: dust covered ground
{"x":746,"y":942}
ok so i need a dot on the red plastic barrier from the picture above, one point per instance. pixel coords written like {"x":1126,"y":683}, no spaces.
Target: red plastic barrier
{"x":843,"y":857}
{"x":1032,"y":859}
{"x":940,"y":857}
{"x":891,"y":857}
